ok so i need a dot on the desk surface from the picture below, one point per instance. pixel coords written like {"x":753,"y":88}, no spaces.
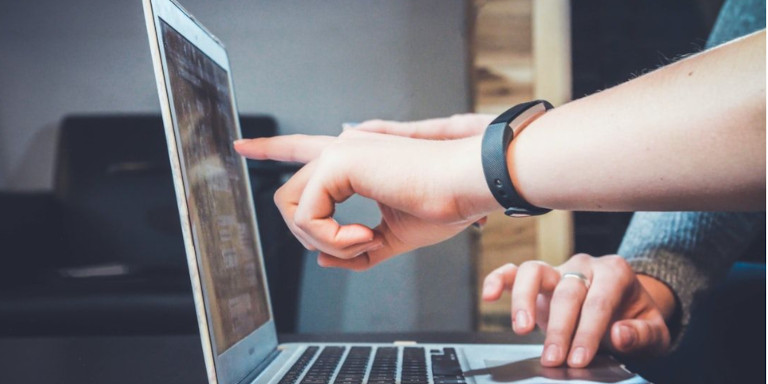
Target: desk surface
{"x":163,"y":359}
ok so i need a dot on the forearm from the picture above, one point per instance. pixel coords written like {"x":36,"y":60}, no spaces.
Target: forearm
{"x":689,"y":136}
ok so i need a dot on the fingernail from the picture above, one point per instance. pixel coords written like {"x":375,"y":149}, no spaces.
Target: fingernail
{"x":239,"y":141}
{"x":552,"y":353}
{"x":521,"y":320}
{"x":579,"y":356}
{"x":345,"y":126}
{"x":490,"y":284}
{"x":626,"y":336}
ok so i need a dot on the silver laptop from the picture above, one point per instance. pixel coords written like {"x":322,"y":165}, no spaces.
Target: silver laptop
{"x":226,"y":267}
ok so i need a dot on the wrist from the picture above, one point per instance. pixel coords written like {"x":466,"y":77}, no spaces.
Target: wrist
{"x":661,"y":294}
{"x":471,"y":194}
{"x":498,"y":141}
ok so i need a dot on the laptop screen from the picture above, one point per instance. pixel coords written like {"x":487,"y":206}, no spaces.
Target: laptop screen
{"x":217,"y":192}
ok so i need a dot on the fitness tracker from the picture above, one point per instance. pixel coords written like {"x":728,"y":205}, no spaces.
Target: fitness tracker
{"x":496,"y":140}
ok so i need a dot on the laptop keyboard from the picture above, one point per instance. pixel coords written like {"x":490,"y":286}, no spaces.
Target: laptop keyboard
{"x":334,"y":364}
{"x":355,"y":365}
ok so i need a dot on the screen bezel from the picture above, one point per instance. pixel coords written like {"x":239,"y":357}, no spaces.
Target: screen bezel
{"x":240,"y":359}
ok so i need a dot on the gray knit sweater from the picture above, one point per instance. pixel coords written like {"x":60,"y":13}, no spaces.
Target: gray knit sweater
{"x":691,"y":251}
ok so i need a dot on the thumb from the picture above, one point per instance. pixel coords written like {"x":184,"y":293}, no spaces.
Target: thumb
{"x":640,"y":336}
{"x":389,"y":247}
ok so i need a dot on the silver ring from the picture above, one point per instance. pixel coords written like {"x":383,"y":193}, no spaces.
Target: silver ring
{"x":576,"y":275}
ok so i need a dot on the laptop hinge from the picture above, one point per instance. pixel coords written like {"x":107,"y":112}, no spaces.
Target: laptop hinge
{"x":250,"y":377}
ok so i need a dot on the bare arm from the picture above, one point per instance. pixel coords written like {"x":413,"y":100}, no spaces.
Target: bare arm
{"x":689,"y":136}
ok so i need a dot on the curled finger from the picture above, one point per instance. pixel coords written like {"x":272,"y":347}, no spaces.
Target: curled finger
{"x":287,"y":200}
{"x":326,"y":186}
{"x":533,"y":278}
{"x":498,"y":281}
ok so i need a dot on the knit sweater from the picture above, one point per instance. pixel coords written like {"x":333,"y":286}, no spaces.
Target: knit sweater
{"x":689,"y":251}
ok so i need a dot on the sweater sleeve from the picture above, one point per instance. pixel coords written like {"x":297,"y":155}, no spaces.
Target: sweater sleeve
{"x":688,"y":251}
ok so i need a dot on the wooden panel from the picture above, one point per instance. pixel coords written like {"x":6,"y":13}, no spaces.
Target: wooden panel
{"x":521,"y":52}
{"x":503,"y":74}
{"x":552,"y":81}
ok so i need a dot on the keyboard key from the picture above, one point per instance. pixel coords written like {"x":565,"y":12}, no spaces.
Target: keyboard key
{"x":324,"y":366}
{"x":446,"y":368}
{"x":384,"y":367}
{"x":414,"y":366}
{"x":298,"y":367}
{"x":353,"y":369}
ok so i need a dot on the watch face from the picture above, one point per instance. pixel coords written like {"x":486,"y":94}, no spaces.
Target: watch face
{"x":496,"y":139}
{"x":529,"y":115}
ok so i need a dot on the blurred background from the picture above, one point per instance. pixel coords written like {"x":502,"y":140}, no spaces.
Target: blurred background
{"x":89,"y":232}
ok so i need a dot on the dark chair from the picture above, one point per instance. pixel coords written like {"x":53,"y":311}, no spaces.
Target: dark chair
{"x":103,"y":253}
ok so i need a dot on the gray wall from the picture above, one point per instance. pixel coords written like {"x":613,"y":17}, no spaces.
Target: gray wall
{"x":310,"y":64}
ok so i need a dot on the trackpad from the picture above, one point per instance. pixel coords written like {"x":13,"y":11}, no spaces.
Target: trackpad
{"x":603,"y":369}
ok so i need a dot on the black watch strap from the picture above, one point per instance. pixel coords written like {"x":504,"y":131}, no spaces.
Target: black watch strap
{"x":496,"y":139}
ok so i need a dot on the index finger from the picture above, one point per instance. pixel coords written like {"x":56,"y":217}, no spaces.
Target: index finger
{"x":456,"y":127}
{"x":295,"y":148}
{"x":611,"y":282}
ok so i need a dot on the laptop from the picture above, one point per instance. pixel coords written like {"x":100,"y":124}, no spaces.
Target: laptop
{"x":226,"y":267}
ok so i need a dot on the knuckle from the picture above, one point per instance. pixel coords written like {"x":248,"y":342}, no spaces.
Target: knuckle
{"x":503,"y":270}
{"x":531,"y":266}
{"x":350,"y":133}
{"x":587,"y":338}
{"x":558,"y":333}
{"x":506,"y":268}
{"x":301,"y":222}
{"x":333,"y":155}
{"x":616,"y":263}
{"x":619,"y":268}
{"x":567,"y":293}
{"x":509,"y":265}
{"x":522,"y":296}
{"x":279,"y":196}
{"x":581,"y":258}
